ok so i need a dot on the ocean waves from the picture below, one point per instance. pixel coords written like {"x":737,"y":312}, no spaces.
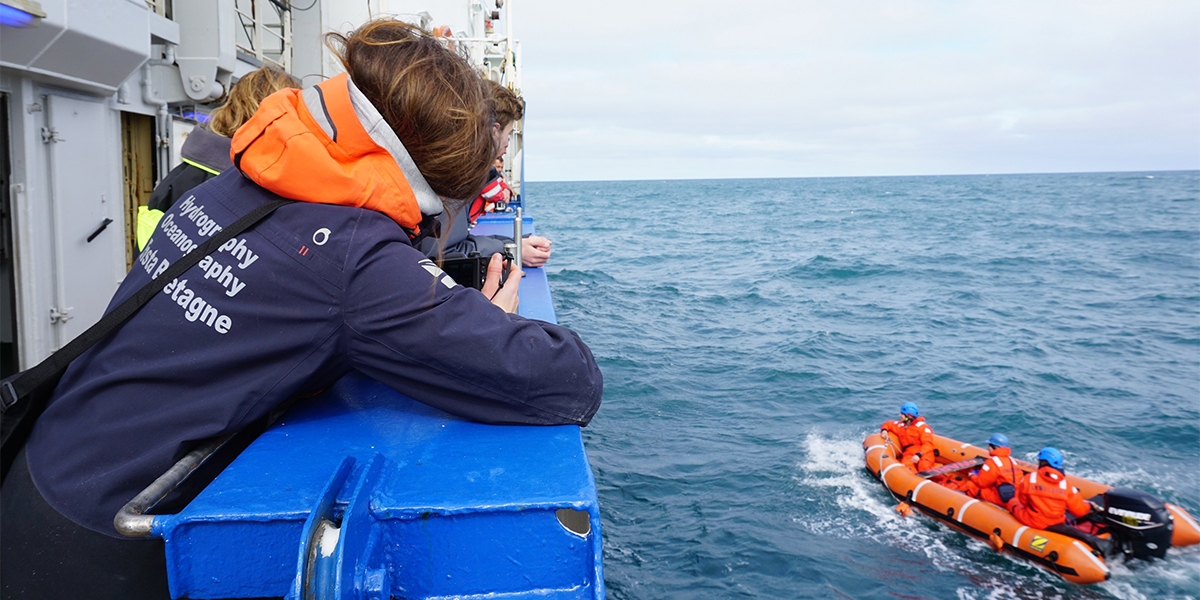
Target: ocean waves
{"x":752,"y":331}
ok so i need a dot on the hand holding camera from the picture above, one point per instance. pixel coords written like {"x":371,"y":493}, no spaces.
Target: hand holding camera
{"x":505,"y":296}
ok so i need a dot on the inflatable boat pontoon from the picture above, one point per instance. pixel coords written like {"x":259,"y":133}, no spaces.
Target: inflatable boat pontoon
{"x":1133,"y":524}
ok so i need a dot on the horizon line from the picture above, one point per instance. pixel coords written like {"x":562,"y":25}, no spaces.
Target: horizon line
{"x":863,"y":176}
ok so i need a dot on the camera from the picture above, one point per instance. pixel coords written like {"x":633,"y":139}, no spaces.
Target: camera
{"x":471,"y":270}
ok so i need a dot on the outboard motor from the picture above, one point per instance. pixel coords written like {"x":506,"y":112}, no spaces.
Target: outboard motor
{"x":1140,"y":521}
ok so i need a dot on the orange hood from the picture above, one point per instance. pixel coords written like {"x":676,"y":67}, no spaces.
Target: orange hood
{"x":328,"y":144}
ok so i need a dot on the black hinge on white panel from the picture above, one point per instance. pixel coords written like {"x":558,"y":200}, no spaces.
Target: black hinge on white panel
{"x":50,"y":134}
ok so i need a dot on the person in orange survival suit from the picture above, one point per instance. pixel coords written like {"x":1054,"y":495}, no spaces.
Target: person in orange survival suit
{"x":1044,"y":496}
{"x":996,"y":480}
{"x":916,"y":438}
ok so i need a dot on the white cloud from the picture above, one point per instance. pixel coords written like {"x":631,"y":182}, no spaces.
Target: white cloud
{"x":657,"y":90}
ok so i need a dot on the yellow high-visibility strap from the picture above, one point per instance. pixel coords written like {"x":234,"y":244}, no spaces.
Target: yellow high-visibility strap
{"x":201,"y":167}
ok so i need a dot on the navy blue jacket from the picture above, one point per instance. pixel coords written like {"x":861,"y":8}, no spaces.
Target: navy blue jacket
{"x":282,"y":310}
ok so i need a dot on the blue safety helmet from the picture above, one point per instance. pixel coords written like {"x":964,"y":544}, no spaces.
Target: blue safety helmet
{"x":908,"y":408}
{"x":1052,"y":457}
{"x":998,"y":440}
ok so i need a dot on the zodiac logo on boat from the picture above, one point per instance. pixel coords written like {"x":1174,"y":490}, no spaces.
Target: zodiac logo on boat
{"x":1038,"y":543}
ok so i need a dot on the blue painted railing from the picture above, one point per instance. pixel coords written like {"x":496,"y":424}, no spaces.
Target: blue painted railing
{"x":362,"y":493}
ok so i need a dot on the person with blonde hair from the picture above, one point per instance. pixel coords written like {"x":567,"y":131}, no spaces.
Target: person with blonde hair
{"x":205,"y":151}
{"x":326,"y":284}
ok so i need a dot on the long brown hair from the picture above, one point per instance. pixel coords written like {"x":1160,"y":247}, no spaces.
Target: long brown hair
{"x":433,"y":100}
{"x":508,"y":104}
{"x":244,"y":98}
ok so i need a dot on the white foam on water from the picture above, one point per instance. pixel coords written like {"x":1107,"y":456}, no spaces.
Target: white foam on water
{"x":1181,"y":570}
{"x":1136,"y":478}
{"x":1155,"y":484}
{"x":1004,"y":592}
{"x":1122,"y":590}
{"x":622,"y":554}
{"x":836,"y":467}
{"x":862,"y":509}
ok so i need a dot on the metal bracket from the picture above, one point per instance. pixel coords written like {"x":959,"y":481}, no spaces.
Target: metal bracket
{"x":197,"y":83}
{"x":62,"y":315}
{"x":320,"y":530}
{"x":50,"y":134}
{"x":337,"y":547}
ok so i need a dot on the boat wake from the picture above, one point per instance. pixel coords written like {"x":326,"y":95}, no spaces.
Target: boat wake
{"x":852,"y":505}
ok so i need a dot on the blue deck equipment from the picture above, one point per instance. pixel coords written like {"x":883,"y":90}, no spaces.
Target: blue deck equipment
{"x":362,"y":493}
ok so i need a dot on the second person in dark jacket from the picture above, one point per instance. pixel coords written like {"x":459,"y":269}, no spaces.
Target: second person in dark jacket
{"x":205,"y":150}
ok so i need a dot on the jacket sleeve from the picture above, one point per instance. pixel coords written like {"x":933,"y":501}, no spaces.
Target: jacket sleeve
{"x":890,"y":427}
{"x":487,"y":245}
{"x":410,"y":327}
{"x":1076,"y":504}
{"x":989,"y":474}
{"x":458,"y":239}
{"x":925,"y":435}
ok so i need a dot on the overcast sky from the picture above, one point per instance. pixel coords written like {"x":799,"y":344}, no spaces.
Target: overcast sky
{"x":643,"y":89}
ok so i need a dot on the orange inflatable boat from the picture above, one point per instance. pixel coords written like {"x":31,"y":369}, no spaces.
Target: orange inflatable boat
{"x":1133,"y":524}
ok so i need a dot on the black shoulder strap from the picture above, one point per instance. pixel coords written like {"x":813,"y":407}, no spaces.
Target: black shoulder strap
{"x":53,"y":366}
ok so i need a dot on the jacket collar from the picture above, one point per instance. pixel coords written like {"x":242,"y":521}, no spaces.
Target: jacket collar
{"x":329,"y":145}
{"x":1051,"y":473}
{"x":206,"y":149}
{"x":376,"y":128}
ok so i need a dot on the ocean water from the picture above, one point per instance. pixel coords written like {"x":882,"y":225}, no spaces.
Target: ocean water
{"x":752,"y":332}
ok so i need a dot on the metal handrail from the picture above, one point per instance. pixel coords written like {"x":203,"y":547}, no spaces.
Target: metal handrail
{"x":132,"y":520}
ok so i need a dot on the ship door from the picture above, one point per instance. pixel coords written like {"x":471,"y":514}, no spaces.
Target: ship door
{"x":86,"y":208}
{"x":138,"y":167}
